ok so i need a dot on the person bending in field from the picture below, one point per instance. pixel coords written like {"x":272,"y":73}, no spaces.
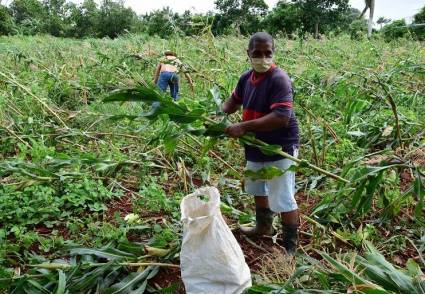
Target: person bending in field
{"x":166,"y":74}
{"x":266,"y":96}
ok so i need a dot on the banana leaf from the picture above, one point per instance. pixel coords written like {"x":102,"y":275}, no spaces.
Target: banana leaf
{"x":382,"y":272}
{"x":160,"y":104}
{"x":133,"y":282}
{"x":266,"y":173}
{"x":107,"y":253}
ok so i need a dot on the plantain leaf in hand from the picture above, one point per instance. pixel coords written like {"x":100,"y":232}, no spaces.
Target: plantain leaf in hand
{"x":160,"y":104}
{"x":216,"y":130}
{"x":249,"y":139}
{"x":266,"y":173}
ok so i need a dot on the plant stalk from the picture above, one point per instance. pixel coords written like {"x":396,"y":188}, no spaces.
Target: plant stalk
{"x":65,"y":266}
{"x":309,"y":165}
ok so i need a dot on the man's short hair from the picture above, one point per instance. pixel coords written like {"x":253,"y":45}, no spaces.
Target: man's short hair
{"x":260,"y":37}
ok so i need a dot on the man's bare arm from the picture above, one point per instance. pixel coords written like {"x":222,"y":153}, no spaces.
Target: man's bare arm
{"x":230,"y":106}
{"x":157,"y":72}
{"x":269,"y":122}
{"x":189,"y":80}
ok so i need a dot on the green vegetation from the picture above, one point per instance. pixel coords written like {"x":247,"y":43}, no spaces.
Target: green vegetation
{"x":73,"y":167}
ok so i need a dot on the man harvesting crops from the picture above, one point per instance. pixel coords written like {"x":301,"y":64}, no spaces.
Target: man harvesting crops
{"x":265,"y":93}
{"x":166,"y":74}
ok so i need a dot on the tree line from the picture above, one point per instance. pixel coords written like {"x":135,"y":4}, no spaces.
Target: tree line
{"x":111,"y":18}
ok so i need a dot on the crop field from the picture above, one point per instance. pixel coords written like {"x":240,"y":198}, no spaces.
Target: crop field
{"x":90,"y":190}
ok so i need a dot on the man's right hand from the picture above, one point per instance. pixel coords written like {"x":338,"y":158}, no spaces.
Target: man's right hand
{"x":236,"y":130}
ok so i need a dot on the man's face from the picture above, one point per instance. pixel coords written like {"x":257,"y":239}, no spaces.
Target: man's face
{"x":260,"y":50}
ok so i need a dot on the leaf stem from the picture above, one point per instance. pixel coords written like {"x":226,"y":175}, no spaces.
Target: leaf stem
{"x":288,"y":156}
{"x":65,"y":266}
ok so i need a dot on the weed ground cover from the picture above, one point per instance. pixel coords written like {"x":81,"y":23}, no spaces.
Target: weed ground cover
{"x":72,"y":167}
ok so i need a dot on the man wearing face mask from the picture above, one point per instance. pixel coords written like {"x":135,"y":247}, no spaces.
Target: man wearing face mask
{"x":266,"y":96}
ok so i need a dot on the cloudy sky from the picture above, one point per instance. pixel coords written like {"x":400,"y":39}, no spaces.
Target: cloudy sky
{"x":394,"y":9}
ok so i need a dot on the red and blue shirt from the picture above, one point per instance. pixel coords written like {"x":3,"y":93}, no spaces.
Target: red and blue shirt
{"x":261,"y":94}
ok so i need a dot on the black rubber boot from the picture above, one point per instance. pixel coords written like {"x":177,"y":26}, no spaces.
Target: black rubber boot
{"x":290,"y":238}
{"x":264,"y":225}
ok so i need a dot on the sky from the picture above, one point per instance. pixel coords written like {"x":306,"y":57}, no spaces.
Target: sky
{"x":393,"y":9}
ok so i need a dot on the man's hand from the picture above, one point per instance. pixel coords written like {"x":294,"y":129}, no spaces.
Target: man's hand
{"x":235,"y":130}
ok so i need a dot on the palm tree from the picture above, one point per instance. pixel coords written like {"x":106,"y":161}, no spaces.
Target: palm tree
{"x":382,"y":21}
{"x":370,"y":4}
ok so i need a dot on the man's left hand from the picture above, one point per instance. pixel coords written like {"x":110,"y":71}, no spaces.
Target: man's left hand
{"x":235,"y":130}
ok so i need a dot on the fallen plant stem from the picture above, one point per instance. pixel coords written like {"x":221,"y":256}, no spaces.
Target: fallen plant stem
{"x":128,"y":190}
{"x":255,"y":245}
{"x":322,"y":227}
{"x":137,"y":264}
{"x":65,"y":266}
{"x":10,"y":131}
{"x":20,"y":277}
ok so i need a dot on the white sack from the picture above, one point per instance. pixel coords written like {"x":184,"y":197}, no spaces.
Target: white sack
{"x":211,"y":259}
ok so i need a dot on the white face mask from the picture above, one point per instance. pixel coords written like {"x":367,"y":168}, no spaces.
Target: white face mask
{"x":261,"y":65}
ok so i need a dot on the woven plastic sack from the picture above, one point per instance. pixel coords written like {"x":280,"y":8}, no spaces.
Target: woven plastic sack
{"x":211,"y":259}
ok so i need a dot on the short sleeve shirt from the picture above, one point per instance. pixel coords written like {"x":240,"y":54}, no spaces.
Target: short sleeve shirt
{"x":261,"y":95}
